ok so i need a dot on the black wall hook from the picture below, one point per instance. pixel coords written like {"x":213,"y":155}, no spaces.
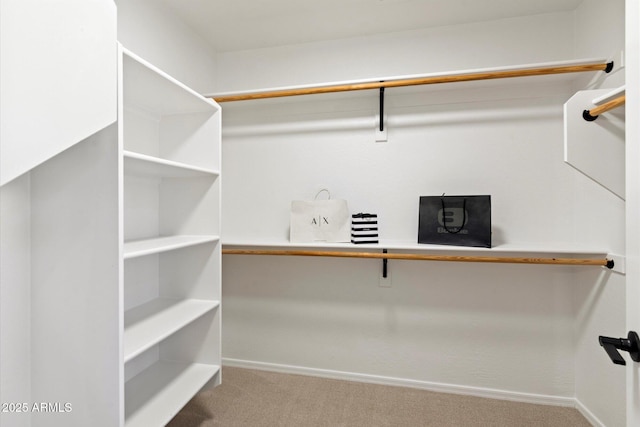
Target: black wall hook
{"x":630,"y":344}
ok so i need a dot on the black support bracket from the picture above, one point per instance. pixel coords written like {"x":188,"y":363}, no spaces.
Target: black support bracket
{"x":586,"y":114}
{"x":381,"y":109}
{"x":384,"y":264}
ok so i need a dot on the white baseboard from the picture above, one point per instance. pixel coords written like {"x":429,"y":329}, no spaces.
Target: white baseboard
{"x":588,"y":414}
{"x":424,"y":385}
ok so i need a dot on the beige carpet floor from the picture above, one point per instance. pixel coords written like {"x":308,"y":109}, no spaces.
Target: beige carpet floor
{"x":258,"y":398}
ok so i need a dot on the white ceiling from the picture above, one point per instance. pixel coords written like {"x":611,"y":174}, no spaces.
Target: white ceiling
{"x":231,"y":25}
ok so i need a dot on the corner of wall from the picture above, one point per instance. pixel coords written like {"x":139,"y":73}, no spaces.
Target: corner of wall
{"x":155,"y":33}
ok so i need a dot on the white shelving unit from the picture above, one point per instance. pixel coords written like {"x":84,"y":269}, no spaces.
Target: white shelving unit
{"x":171,"y":252}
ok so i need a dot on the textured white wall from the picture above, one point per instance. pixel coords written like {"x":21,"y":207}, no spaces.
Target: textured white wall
{"x":15,"y":298}
{"x":469,"y":327}
{"x":42,"y":46}
{"x":503,"y":42}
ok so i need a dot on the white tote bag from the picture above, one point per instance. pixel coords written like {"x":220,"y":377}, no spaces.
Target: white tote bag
{"x":326,"y":220}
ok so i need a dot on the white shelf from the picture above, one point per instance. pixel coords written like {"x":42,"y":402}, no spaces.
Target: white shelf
{"x":144,"y":247}
{"x":506,"y":249}
{"x":157,"y":394}
{"x":609,"y":96}
{"x":150,"y":323}
{"x":144,"y":165}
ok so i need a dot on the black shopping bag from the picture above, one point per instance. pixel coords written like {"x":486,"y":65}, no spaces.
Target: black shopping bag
{"x":455,"y":220}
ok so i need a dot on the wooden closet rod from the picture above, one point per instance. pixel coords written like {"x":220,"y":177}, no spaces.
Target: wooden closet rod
{"x":591,"y":115}
{"x":451,"y":78}
{"x":423,"y":257}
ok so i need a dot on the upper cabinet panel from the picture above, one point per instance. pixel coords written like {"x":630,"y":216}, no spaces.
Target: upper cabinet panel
{"x":58,"y":71}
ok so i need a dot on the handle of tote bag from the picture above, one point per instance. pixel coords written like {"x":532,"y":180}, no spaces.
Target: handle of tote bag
{"x":318,"y":193}
{"x":464,"y":216}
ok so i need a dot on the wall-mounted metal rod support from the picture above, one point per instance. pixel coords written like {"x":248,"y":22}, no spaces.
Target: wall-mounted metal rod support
{"x":382,"y":112}
{"x":434,"y":79}
{"x":425,"y":257}
{"x":591,"y":115}
{"x":384,"y":264}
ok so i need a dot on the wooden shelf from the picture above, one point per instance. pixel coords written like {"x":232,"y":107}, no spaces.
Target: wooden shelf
{"x":144,"y":165}
{"x":150,"y":323}
{"x":137,"y":248}
{"x":157,"y":394}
